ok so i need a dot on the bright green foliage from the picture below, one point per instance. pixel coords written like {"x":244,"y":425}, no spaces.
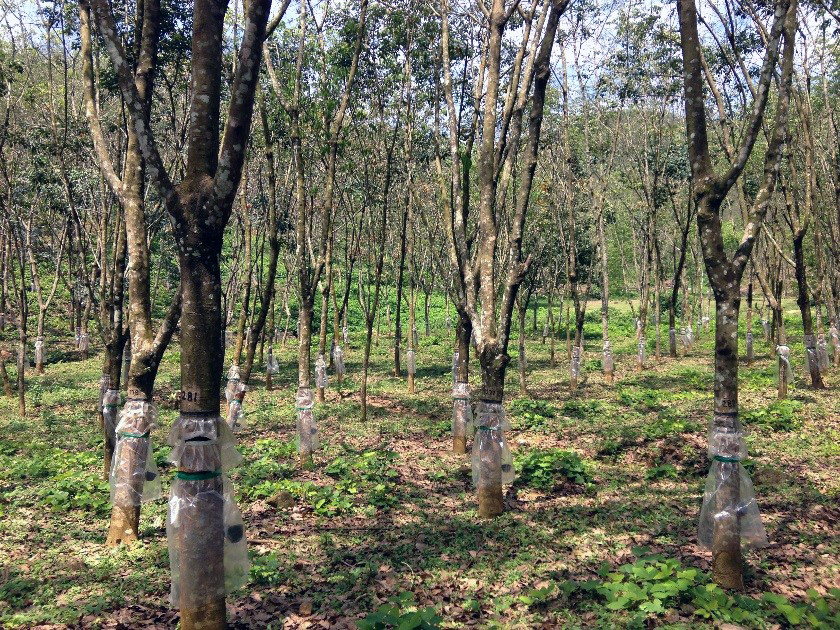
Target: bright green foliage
{"x":401,"y":613}
{"x":668,"y":422}
{"x":654,"y":583}
{"x":546,"y":469}
{"x":780,"y":415}
{"x":662,"y":471}
{"x":583,"y":409}
{"x":532,"y":414}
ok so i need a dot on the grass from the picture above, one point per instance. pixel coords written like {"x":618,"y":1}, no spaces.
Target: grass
{"x":384,"y":527}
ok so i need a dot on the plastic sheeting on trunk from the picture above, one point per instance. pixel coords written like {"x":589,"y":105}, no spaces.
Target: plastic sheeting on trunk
{"x":306,"y":426}
{"x":321,"y":379}
{"x":607,"y":362}
{"x":411,"y":360}
{"x":462,"y":415}
{"x":338,"y":360}
{"x":232,"y":383}
{"x":134,"y":477}
{"x":783,"y":352}
{"x":729,"y":505}
{"x":491,"y":455}
{"x":204,"y":449}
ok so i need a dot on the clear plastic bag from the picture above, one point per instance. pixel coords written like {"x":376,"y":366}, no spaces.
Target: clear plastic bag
{"x":448,"y":322}
{"x":345,"y":334}
{"x":726,"y":437}
{"x":811,"y":353}
{"x":236,"y":414}
{"x":134,"y":477}
{"x":271,"y":364}
{"x":689,"y":336}
{"x":749,"y":346}
{"x":822,"y":353}
{"x":835,"y":338}
{"x":642,"y":350}
{"x":191,"y":498}
{"x":574,"y":366}
{"x":338,"y":361}
{"x":672,"y":337}
{"x":306,"y":426}
{"x":84,"y":342}
{"x":783,"y":352}
{"x":78,"y":337}
{"x":765,"y":325}
{"x":203,"y":442}
{"x":492,"y":461}
{"x":607,"y":362}
{"x":39,"y":351}
{"x":110,"y":405}
{"x":705,"y":321}
{"x":232,"y":383}
{"x":729,"y":507}
{"x":411,"y":360}
{"x":462,"y":415}
{"x":638,"y":327}
{"x":321,"y":379}
{"x":415,"y":336}
{"x":546,"y":330}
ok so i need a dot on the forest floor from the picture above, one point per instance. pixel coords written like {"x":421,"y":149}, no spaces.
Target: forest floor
{"x":600,"y":527}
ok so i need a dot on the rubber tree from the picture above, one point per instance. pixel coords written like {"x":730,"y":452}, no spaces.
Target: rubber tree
{"x":199,"y":206}
{"x":487,"y":291}
{"x":266,"y":298}
{"x":725,"y":273}
{"x":148,"y":344}
{"x":310,"y":268}
{"x":44,"y":299}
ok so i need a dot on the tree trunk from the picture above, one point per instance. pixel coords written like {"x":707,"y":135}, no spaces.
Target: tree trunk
{"x":803,"y":300}
{"x":523,"y":387}
{"x":463,"y":332}
{"x":490,"y":497}
{"x":727,"y":565}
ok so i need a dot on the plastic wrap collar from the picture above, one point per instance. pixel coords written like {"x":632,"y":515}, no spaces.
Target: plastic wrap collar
{"x":784,"y":353}
{"x":491,"y":417}
{"x":726,"y":438}
{"x":137,"y":418}
{"x":39,"y":343}
{"x":233,"y":373}
{"x":461,"y":391}
{"x":202,"y":442}
{"x":320,"y":363}
{"x":303,"y":400}
{"x":111,"y":400}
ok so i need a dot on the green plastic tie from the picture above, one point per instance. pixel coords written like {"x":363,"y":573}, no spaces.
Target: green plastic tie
{"x":135,"y":435}
{"x":728,"y":460}
{"x":482,"y":427}
{"x":303,"y":408}
{"x":198,"y":476}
